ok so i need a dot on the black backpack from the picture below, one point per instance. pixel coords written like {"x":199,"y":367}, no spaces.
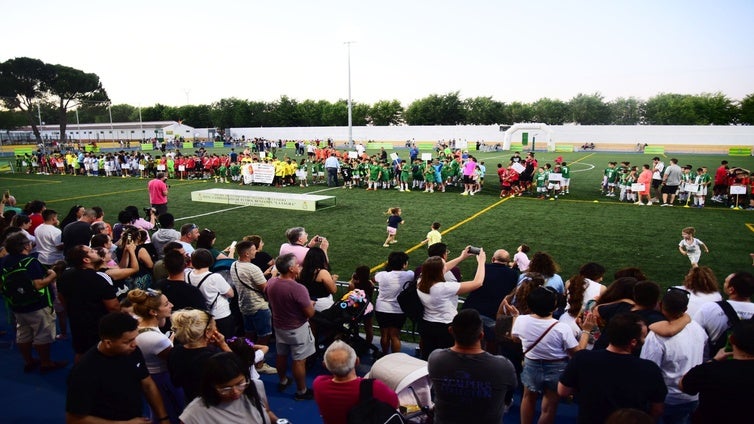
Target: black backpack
{"x":18,"y":288}
{"x":372,"y":411}
{"x":733,"y":319}
{"x":409,"y":301}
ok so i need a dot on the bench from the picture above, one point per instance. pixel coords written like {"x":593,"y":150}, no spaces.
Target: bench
{"x":739,"y":151}
{"x":374,"y":145}
{"x":654,"y":150}
{"x":24,"y":151}
{"x":264,"y":199}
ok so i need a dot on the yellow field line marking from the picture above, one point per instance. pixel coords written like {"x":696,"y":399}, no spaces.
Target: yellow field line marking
{"x":750,"y":227}
{"x":111,"y":193}
{"x":453,"y":227}
{"x":580,"y":159}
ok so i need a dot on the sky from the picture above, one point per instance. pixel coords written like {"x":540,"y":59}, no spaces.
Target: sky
{"x":198,"y":52}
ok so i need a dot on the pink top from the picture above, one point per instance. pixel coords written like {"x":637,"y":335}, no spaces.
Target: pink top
{"x":645,"y":178}
{"x":296,"y":249}
{"x":469,"y":167}
{"x":158,"y":192}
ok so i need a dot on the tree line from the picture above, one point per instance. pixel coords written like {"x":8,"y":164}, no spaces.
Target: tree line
{"x":31,"y":89}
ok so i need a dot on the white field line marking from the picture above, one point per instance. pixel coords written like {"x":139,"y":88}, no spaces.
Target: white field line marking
{"x":590,"y":167}
{"x":211,"y":213}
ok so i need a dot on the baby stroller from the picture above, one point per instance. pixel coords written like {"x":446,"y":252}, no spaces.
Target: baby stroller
{"x":409,"y":377}
{"x":341,"y":322}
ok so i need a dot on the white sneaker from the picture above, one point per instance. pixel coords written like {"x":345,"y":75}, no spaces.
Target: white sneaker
{"x":267,"y":369}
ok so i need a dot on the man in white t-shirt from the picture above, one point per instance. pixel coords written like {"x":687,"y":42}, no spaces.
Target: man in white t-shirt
{"x":739,"y":287}
{"x":214,"y":288}
{"x":676,"y":355}
{"x":49,"y":244}
{"x":658,"y":167}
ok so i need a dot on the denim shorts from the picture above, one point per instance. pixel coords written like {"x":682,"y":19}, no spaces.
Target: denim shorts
{"x":260,"y":322}
{"x":539,"y":376}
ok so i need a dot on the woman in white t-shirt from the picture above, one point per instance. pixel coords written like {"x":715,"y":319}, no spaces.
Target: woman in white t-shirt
{"x":440,"y":299}
{"x":214,"y":288}
{"x":702,"y":284}
{"x":547,"y":344}
{"x":152,"y":309}
{"x":390,"y":316}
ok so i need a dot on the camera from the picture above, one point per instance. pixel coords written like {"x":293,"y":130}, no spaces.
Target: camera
{"x":318,"y":239}
{"x":474,"y":250}
{"x":148,"y":212}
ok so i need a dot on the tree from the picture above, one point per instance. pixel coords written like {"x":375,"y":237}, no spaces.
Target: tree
{"x":518,"y":112}
{"x":551,"y":112}
{"x":70,"y":87}
{"x":22,"y":86}
{"x":670,"y":109}
{"x":589,"y":109}
{"x":715,"y":109}
{"x":628,"y":111}
{"x":483,"y":111}
{"x":385,"y":112}
{"x":746,"y":114}
{"x":285,"y":112}
{"x":436,"y":110}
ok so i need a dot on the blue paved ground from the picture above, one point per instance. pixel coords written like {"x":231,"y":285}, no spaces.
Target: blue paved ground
{"x":35,"y":398}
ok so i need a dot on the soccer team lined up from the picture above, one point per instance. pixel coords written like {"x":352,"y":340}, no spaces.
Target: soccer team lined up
{"x":658,"y":183}
{"x":449,"y":167}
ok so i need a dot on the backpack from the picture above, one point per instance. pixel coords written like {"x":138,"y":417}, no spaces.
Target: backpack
{"x":409,"y":301}
{"x":210,"y":305}
{"x":370,"y":410}
{"x":18,"y":288}
{"x":733,"y":319}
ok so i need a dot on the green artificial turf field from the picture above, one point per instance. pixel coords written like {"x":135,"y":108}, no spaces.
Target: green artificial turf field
{"x":573,"y":229}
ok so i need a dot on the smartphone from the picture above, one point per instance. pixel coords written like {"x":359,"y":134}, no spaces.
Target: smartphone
{"x":474,"y":250}
{"x":318,"y":239}
{"x":233,"y":245}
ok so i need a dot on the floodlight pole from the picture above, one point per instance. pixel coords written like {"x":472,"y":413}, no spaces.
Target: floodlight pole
{"x":110,"y":110}
{"x":350,"y":104}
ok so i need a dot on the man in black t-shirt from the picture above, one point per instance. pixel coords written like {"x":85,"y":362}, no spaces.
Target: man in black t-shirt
{"x":607,"y":380}
{"x":469,"y":384}
{"x":181,"y":294}
{"x":499,"y":281}
{"x":78,"y":232}
{"x":110,"y":379}
{"x":87,"y":297}
{"x":724,"y":383}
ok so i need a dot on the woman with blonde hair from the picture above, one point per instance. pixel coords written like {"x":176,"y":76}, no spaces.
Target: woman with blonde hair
{"x":199,"y":339}
{"x":153,"y":309}
{"x":440,"y":299}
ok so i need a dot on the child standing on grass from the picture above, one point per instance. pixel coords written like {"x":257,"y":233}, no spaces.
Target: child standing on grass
{"x":691,"y":246}
{"x":433,"y":236}
{"x":392,"y":225}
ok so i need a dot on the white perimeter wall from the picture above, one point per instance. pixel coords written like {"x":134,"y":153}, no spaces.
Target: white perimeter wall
{"x":571,"y":134}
